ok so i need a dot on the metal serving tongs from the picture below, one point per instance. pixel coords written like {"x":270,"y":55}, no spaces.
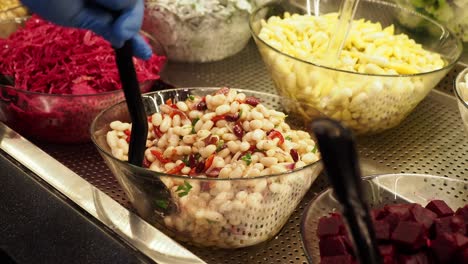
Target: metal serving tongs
{"x":339,"y":156}
{"x":136,"y":152}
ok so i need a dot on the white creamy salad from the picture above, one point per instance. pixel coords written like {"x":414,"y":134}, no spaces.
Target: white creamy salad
{"x":199,"y":30}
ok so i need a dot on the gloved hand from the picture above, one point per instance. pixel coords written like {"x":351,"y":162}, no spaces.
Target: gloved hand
{"x":100,"y":17}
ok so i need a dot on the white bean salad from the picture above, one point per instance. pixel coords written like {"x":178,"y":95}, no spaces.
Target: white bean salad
{"x":225,"y":135}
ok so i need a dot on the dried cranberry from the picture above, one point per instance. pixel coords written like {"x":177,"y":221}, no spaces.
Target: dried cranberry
{"x":251,"y":100}
{"x":232,"y":117}
{"x":238,"y":130}
{"x":200,"y":167}
{"x":192,"y":162}
{"x":294,"y":155}
{"x":146,"y":163}
{"x":201,"y":106}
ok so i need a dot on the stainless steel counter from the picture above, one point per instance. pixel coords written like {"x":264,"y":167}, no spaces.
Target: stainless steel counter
{"x":431,"y":140}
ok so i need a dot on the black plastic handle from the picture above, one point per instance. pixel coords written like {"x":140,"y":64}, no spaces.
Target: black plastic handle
{"x":341,"y":162}
{"x":131,"y":88}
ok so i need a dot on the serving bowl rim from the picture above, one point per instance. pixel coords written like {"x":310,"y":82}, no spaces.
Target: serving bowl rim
{"x":459,"y":43}
{"x":457,"y":81}
{"x":160,"y":174}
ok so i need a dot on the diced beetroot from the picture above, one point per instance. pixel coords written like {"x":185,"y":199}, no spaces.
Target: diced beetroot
{"x":418,"y":258}
{"x":331,"y":226}
{"x":344,"y":259}
{"x":333,"y":246}
{"x":444,"y":247}
{"x":440,"y":208}
{"x":423,"y":216}
{"x":410,"y":235}
{"x":462,"y":256}
{"x":392,"y":220}
{"x":378,"y":214}
{"x":382,"y":230}
{"x":450,"y":224}
{"x":388,"y":254}
{"x":401,"y":210}
{"x":463,"y":212}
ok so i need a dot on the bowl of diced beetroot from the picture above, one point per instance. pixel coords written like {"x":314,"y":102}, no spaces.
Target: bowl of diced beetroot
{"x":417,"y":219}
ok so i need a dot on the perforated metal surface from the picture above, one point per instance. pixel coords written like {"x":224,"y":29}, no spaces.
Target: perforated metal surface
{"x":431,"y":140}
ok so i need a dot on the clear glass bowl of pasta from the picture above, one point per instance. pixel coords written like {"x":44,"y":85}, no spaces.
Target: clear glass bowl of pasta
{"x":384,"y":71}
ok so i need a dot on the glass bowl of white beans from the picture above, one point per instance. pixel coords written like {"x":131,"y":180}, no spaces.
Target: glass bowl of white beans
{"x":235,"y":165}
{"x":461,"y":92}
{"x":383,"y":72}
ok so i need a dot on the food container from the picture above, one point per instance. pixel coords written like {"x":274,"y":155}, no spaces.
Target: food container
{"x":365,"y":102}
{"x":449,"y":13}
{"x":10,"y":9}
{"x":216,"y":212}
{"x":379,"y":191}
{"x":198,"y":31}
{"x":461,"y":92}
{"x":52,"y":117}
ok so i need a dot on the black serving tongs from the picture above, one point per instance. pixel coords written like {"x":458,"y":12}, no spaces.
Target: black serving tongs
{"x":136,"y":152}
{"x":341,"y":163}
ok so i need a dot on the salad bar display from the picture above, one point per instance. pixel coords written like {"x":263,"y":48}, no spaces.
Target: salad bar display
{"x":231,"y":171}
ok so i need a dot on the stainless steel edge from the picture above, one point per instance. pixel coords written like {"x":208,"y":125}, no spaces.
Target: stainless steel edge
{"x":126,"y":224}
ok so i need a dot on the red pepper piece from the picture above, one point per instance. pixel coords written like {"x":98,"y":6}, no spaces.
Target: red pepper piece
{"x":223,"y":90}
{"x":157,"y":132}
{"x":276,"y":134}
{"x":169,"y":102}
{"x":193,"y":172}
{"x":150,"y":119}
{"x":251,"y":100}
{"x":218,"y":118}
{"x":127,"y":139}
{"x":127,"y":132}
{"x":176,"y":169}
{"x":209,"y":161}
{"x":160,"y":156}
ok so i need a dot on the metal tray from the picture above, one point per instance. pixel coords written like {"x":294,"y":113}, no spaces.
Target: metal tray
{"x":431,"y":140}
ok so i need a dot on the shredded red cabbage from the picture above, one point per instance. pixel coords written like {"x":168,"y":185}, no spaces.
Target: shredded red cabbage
{"x":46,"y":58}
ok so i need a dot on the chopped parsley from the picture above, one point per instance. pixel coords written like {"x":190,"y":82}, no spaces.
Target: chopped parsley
{"x":219,"y":145}
{"x":314,"y":150}
{"x":191,"y":97}
{"x":240,"y":113}
{"x":162,"y":204}
{"x":194,"y":122}
{"x":288,"y":138}
{"x":247,"y":158}
{"x":183,"y":189}
{"x":185,"y":160}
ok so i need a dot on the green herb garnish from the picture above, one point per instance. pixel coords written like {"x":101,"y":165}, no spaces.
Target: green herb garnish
{"x":219,"y":145}
{"x":314,"y":150}
{"x":191,"y":97}
{"x":185,"y":160}
{"x":162,"y":204}
{"x":183,"y":189}
{"x":240,"y":113}
{"x":194,"y":122}
{"x":288,"y":138}
{"x":247,"y":158}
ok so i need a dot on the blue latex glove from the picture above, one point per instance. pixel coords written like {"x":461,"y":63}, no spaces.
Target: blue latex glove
{"x":98,"y":16}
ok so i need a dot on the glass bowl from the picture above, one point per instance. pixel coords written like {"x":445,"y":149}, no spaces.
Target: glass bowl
{"x":366,"y":103}
{"x":379,"y":191}
{"x":223,"y":213}
{"x":190,"y":33}
{"x":52,"y":117}
{"x":461,"y":92}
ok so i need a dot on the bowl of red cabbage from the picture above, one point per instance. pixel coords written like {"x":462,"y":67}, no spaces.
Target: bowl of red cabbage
{"x":55,"y":80}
